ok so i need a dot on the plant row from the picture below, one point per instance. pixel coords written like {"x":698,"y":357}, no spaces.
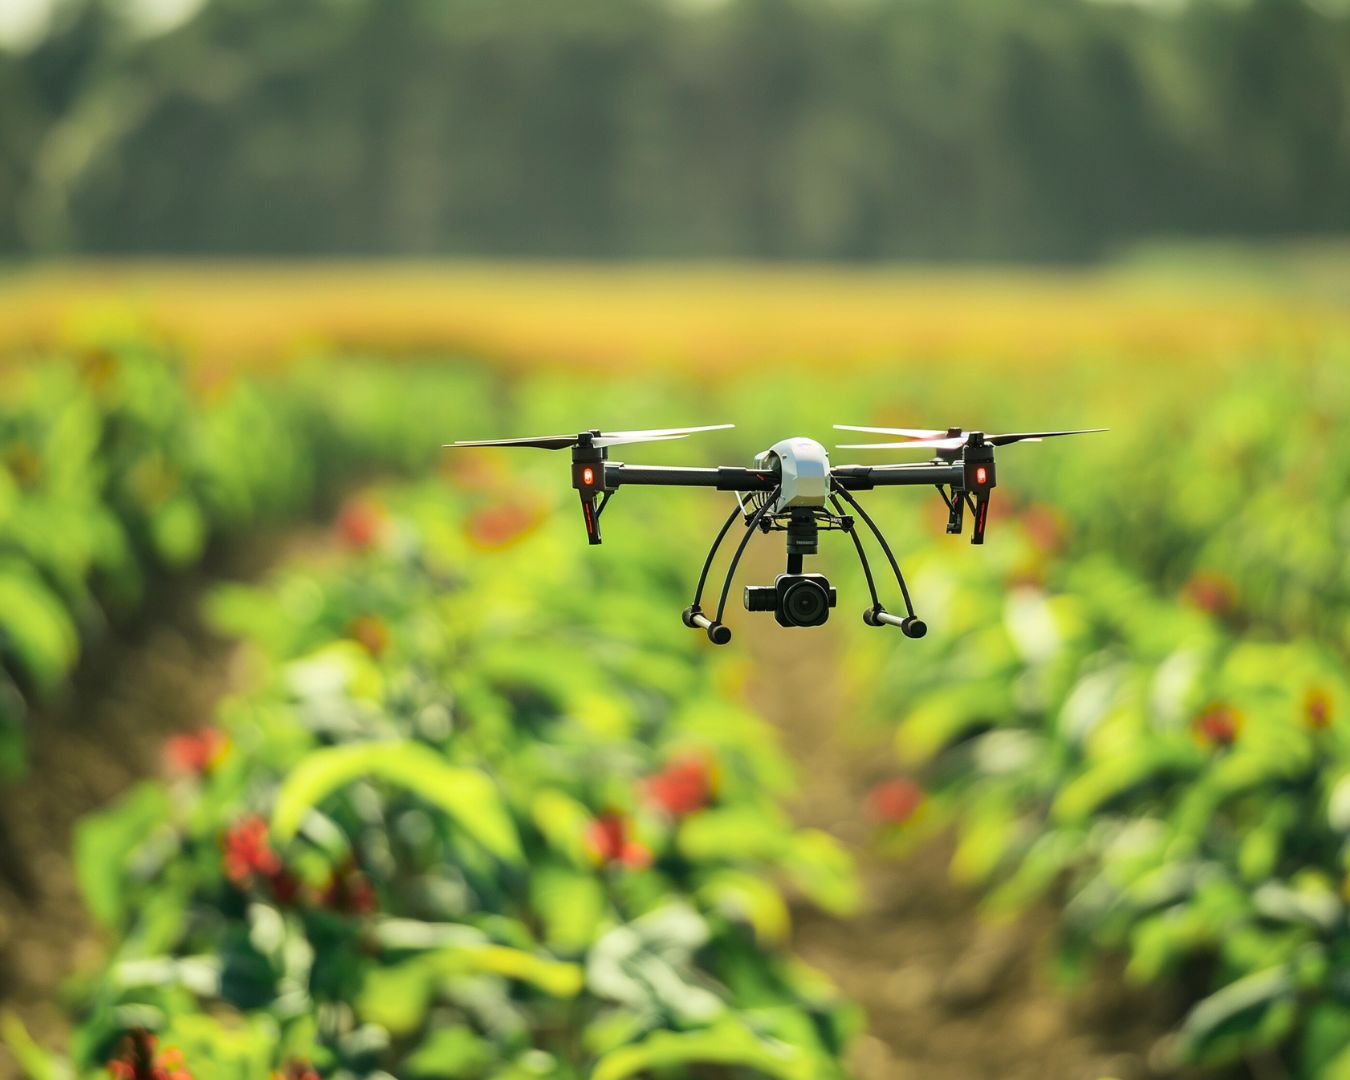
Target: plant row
{"x":449,"y":831}
{"x":118,"y":464}
{"x":1180,"y":787}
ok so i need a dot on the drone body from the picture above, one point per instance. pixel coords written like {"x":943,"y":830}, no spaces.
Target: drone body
{"x":803,"y":468}
{"x":792,"y":488}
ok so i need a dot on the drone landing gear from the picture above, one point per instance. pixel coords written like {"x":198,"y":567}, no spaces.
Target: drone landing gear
{"x":876,"y":615}
{"x":718,"y":632}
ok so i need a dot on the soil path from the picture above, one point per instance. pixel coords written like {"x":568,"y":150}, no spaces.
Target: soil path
{"x":162,"y":675}
{"x":946,"y":993}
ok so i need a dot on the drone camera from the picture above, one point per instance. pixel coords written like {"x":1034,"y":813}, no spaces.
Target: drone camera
{"x":795,"y":599}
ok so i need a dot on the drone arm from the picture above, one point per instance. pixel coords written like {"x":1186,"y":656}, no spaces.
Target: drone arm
{"x":723,"y":478}
{"x":867,"y":477}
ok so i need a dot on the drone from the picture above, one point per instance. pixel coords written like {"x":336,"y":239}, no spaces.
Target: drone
{"x":792,"y":488}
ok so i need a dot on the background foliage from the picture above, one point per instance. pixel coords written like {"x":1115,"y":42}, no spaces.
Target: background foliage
{"x":762,"y":128}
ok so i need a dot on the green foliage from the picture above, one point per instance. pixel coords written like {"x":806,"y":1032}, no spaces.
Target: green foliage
{"x":1140,"y":712}
{"x":746,"y":128}
{"x":418,"y":858}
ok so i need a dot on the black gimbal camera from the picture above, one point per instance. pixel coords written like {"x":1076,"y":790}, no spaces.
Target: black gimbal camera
{"x":795,"y":598}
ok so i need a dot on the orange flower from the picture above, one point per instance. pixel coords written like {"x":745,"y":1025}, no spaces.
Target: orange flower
{"x":297,"y":1070}
{"x":360,"y":524}
{"x":1317,"y":709}
{"x":494,"y":527}
{"x":895,"y":801}
{"x":350,"y":892}
{"x":248,"y":855}
{"x":196,"y":753}
{"x":1044,"y":527}
{"x":609,"y":842}
{"x":370,"y":632}
{"x":1211,"y":592}
{"x":684,"y":786}
{"x":1217,"y":725}
{"x":139,"y":1059}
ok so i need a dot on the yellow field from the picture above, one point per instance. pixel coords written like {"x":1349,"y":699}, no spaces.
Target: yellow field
{"x":691,"y":316}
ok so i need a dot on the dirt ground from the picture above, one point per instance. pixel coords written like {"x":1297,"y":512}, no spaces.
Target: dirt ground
{"x":161,"y":675}
{"x":946,"y":993}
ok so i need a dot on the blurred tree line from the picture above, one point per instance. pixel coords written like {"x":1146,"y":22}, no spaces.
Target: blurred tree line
{"x":853,"y":129}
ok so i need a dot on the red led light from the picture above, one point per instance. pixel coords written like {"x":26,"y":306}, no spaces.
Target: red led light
{"x":588,"y":475}
{"x":981,"y":475}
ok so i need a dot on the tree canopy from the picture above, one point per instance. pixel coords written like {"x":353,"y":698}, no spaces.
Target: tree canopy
{"x":831,"y":129}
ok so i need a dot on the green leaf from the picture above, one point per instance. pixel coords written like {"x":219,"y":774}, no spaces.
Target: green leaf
{"x":397,"y":996}
{"x":747,"y":832}
{"x":749,"y":898}
{"x":179,"y":531}
{"x":36,"y":628}
{"x":728,"y":1043}
{"x":466,"y":795}
{"x":822,"y":869}
{"x":33,"y":1061}
{"x":450,"y":1053}
{"x":103,"y":843}
{"x":571,"y":904}
{"x":1255,"y":1011}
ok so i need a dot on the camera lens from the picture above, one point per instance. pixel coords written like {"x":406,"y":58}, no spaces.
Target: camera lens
{"x":760,"y":598}
{"x":805,"y":603}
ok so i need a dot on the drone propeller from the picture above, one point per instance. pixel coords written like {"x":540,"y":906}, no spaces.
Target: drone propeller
{"x":909,"y":433}
{"x":588,"y":459}
{"x":958,"y":439}
{"x":597,"y":439}
{"x":975,"y":450}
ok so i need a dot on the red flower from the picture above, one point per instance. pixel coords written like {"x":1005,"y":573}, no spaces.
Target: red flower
{"x":1317,"y":709}
{"x":360,"y":524}
{"x":494,"y":527}
{"x":608,"y":841}
{"x":196,"y":753}
{"x":895,"y":801}
{"x":247,"y":854}
{"x":297,"y":1070}
{"x":682,"y":787}
{"x":1044,"y":527}
{"x":370,"y":632}
{"x":138,"y":1059}
{"x":349,"y":892}
{"x":1217,"y":724}
{"x":1211,"y":592}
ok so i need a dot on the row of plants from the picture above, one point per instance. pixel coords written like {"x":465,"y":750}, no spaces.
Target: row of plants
{"x":449,"y":831}
{"x":1178,"y":783}
{"x":118,"y":464}
{"x":1236,"y":498}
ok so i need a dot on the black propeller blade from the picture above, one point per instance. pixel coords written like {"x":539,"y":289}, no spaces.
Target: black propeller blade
{"x":598,"y":440}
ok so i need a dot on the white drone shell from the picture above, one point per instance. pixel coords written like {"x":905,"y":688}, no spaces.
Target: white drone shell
{"x":804,"y":466}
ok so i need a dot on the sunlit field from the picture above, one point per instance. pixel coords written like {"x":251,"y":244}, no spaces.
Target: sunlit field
{"x":330,"y":754}
{"x":698,"y":317}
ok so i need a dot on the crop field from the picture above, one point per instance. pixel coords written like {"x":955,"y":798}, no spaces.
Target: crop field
{"x":325,"y":753}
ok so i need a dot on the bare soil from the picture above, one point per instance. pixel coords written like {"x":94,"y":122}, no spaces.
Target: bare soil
{"x":161,"y":675}
{"x":947,"y":993}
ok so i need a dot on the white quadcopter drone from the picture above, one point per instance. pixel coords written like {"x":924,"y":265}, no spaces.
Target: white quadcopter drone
{"x":793,"y":488}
